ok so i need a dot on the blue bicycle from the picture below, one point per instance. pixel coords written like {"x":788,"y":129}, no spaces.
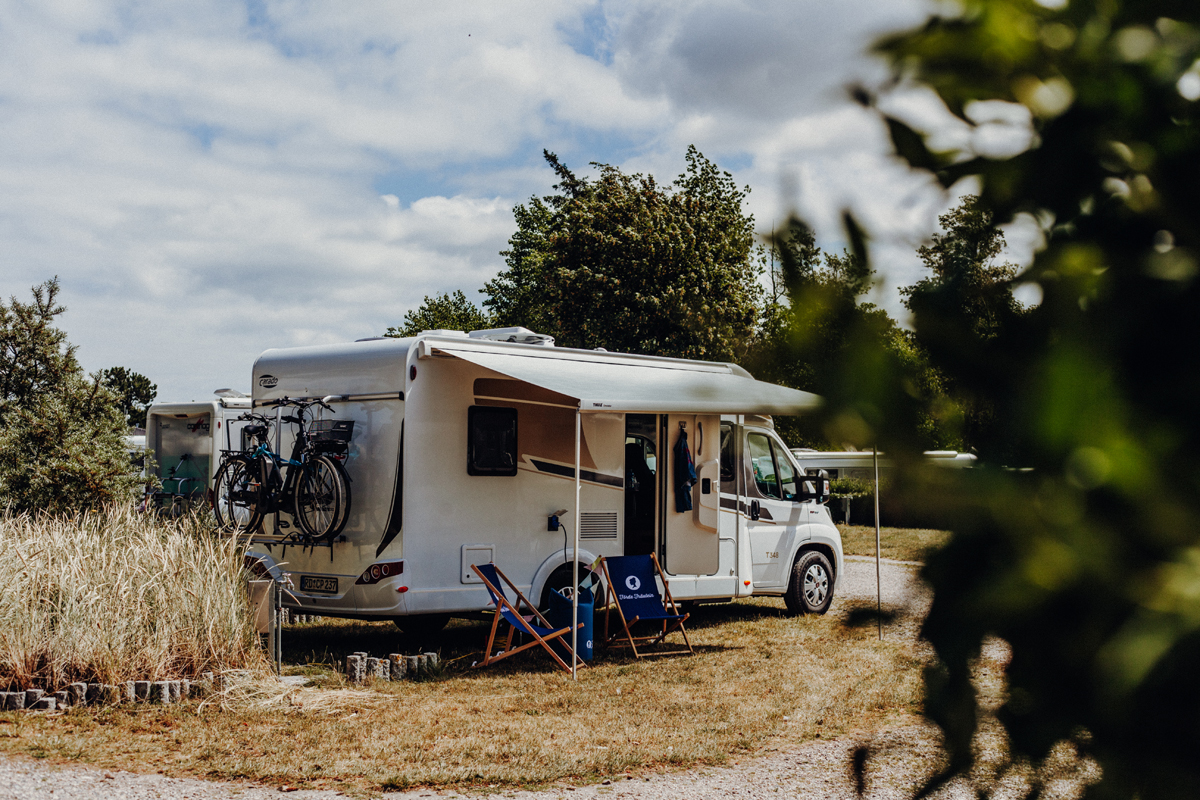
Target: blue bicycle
{"x":311,"y":485}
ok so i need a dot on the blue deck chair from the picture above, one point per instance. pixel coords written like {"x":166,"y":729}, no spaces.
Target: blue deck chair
{"x":509,"y":612}
{"x":631,"y":581}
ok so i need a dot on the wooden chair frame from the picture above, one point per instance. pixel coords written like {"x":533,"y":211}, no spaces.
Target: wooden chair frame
{"x":526,"y":627}
{"x":668,"y":625}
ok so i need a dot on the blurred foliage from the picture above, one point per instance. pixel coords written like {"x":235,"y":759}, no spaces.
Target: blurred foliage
{"x":817,"y":330}
{"x":452,"y":312}
{"x":1086,"y":559}
{"x":134,"y":392}
{"x":623,"y":263}
{"x":62,"y":445}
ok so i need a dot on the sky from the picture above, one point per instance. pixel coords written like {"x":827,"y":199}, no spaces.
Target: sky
{"x":212,"y":179}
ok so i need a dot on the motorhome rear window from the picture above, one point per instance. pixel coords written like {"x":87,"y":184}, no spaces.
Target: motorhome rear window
{"x":491,"y":440}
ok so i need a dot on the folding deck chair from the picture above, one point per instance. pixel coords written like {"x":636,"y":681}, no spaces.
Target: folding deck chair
{"x":632,"y":585}
{"x":494,"y":580}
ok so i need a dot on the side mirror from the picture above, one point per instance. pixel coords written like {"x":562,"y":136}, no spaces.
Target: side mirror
{"x":815,"y":486}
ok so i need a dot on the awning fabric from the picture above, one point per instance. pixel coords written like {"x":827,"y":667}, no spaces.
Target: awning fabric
{"x":629,"y":384}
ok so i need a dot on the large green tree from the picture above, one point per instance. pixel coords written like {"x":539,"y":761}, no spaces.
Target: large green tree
{"x":134,"y":392}
{"x":965,"y":304}
{"x":1085,"y":560}
{"x":35,"y":356}
{"x":624,"y":263}
{"x":62,"y":445}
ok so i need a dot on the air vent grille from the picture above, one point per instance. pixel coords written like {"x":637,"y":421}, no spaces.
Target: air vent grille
{"x":598,"y":525}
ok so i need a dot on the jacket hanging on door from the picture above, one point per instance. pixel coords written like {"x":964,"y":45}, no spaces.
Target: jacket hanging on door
{"x":685,"y":473}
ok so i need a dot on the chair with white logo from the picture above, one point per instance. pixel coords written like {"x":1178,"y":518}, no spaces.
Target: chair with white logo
{"x":634,"y":588}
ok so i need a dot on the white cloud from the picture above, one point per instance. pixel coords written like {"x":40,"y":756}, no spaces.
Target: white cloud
{"x":209,"y":179}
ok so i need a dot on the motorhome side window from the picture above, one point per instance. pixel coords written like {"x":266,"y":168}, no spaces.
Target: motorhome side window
{"x":774,"y":475}
{"x":763,"y":464}
{"x":491,"y":440}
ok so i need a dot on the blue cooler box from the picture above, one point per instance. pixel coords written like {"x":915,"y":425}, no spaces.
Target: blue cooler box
{"x":559,"y":616}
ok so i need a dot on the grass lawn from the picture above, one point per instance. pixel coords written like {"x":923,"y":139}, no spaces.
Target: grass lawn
{"x":756,"y":673}
{"x":905,"y":544}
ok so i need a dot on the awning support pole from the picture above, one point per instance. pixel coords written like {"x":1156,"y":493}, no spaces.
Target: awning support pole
{"x":878,"y":582}
{"x":575,"y":559}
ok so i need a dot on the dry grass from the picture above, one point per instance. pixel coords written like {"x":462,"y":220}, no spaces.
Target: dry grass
{"x":905,"y":544}
{"x":756,"y":673}
{"x":114,"y":596}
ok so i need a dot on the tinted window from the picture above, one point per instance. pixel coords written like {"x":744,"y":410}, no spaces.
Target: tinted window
{"x":491,"y":440}
{"x":763,"y":464}
{"x":785,"y":473}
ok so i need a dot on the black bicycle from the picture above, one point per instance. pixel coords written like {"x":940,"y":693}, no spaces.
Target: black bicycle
{"x":311,"y":485}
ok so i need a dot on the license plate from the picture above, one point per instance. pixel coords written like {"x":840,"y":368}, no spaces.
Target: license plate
{"x":320,"y":585}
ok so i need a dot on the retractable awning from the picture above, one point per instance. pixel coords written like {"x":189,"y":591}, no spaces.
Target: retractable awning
{"x":604,"y":382}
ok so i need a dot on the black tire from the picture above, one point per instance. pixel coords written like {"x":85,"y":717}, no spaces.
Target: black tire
{"x":236,"y":496}
{"x":810,"y":591}
{"x":345,"y":510}
{"x":318,"y":499}
{"x":422,"y":624}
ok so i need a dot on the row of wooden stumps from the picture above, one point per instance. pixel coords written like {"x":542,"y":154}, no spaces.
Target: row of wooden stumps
{"x":102,"y":694}
{"x":396,"y":667}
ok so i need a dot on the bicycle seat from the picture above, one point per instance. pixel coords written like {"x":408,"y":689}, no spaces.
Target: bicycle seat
{"x":255,"y":430}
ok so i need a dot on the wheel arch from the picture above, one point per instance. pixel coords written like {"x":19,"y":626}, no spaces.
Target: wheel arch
{"x":547,"y":568}
{"x":822,"y":548}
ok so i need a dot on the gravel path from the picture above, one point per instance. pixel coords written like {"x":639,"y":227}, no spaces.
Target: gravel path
{"x":818,"y":769}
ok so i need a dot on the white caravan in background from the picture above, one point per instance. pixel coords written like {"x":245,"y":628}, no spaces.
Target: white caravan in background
{"x":465,"y":446}
{"x":186,"y":440}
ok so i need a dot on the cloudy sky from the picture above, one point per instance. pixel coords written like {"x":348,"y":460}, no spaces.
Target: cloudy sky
{"x":211,"y":179}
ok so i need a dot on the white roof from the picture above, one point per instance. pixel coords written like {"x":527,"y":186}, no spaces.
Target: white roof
{"x":615,"y":382}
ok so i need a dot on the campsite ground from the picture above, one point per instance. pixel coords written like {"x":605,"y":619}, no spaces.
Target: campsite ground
{"x":770,"y":706}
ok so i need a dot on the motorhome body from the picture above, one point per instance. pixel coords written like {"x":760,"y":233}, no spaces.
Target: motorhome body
{"x":464,"y":447}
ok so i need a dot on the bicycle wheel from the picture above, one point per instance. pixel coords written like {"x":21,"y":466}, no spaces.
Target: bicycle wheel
{"x":319,"y":494}
{"x":344,"y":479}
{"x":235,"y":496}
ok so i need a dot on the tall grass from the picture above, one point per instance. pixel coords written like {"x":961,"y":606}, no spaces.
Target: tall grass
{"x":113,"y":595}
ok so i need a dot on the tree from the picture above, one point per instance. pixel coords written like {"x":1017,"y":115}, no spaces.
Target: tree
{"x":963,"y":306}
{"x":1084,"y":560}
{"x":452,"y":312}
{"x":623,"y":263}
{"x":966,"y":285}
{"x":35,"y":356}
{"x":816,"y":322}
{"x":62,"y":445}
{"x":134,"y":392}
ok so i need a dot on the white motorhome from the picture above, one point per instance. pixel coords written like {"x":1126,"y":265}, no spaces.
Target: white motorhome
{"x":186,"y":440}
{"x":465,"y":450}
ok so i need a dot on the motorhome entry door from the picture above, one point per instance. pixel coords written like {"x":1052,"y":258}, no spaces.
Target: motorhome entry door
{"x":691,"y":545}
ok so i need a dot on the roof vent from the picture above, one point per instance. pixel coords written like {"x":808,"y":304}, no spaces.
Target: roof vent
{"x":444,"y":332}
{"x":229,"y":393}
{"x":515,"y":335}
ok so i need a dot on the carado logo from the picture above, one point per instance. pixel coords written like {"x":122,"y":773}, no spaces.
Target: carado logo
{"x":632,"y":583}
{"x":267,"y":381}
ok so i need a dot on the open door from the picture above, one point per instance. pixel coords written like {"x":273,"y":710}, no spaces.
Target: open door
{"x":641,"y":484}
{"x":691,"y":545}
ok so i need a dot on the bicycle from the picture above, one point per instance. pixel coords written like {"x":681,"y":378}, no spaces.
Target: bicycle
{"x":312,"y":484}
{"x":177,"y":503}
